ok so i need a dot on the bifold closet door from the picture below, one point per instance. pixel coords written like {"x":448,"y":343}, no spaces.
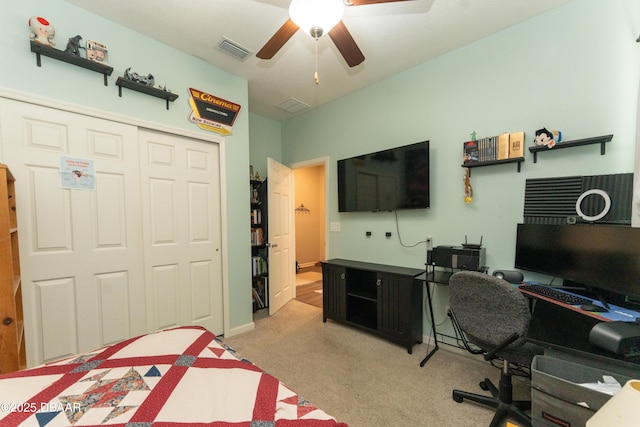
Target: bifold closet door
{"x":182,"y":231}
{"x":81,"y":249}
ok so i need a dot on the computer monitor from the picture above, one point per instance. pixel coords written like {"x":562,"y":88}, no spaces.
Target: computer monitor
{"x":604,"y":257}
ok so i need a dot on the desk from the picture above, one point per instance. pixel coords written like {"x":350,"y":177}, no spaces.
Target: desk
{"x":564,"y":325}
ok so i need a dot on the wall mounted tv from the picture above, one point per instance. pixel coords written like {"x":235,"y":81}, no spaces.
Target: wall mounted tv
{"x":606,"y":257}
{"x":397,"y":178}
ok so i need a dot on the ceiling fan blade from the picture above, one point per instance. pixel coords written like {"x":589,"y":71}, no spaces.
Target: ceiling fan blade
{"x":278,"y":40}
{"x":365,"y":2}
{"x":346,"y":44}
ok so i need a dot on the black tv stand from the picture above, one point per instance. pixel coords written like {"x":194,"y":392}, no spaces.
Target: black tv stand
{"x":383,"y":299}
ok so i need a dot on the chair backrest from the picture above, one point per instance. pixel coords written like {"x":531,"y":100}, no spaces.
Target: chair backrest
{"x":489,"y":310}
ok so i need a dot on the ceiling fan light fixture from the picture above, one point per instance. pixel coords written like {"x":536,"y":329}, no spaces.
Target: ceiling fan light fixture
{"x":311,"y":15}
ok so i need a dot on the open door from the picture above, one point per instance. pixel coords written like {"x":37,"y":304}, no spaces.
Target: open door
{"x":281,"y":241}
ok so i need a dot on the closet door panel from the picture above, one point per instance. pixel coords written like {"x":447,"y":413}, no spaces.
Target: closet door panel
{"x":81,"y":254}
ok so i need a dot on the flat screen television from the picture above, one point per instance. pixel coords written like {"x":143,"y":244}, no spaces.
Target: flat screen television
{"x":397,"y":178}
{"x":606,"y":257}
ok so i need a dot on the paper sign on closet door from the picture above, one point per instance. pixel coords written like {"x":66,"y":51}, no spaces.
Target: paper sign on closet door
{"x":77,"y":174}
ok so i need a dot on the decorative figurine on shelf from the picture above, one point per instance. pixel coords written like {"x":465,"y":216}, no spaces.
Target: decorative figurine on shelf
{"x":42,"y":31}
{"x":468,"y":189}
{"x":548,"y":138}
{"x":73,"y":46}
{"x":147,"y":80}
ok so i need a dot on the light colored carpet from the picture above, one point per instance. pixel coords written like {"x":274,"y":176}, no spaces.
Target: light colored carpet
{"x":362,"y":379}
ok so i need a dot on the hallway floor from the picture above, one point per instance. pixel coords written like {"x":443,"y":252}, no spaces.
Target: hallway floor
{"x":309,"y":286}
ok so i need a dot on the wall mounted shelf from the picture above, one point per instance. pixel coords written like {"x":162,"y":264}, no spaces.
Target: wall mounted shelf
{"x":40,"y":49}
{"x":517,"y":160}
{"x":149,"y":90}
{"x":576,"y":143}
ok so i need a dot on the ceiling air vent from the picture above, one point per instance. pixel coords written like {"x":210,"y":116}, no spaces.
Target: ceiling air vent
{"x":293,"y":106}
{"x":234,"y":49}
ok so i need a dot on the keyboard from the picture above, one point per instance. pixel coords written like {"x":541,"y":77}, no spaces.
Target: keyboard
{"x":556,"y":295}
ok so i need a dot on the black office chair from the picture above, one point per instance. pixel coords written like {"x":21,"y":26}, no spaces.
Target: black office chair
{"x":493,"y":316}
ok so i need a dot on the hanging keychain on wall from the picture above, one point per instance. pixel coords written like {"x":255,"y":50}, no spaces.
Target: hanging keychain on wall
{"x":468,"y":189}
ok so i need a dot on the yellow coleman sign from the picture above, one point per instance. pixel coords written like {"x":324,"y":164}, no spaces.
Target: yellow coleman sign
{"x":212,"y":113}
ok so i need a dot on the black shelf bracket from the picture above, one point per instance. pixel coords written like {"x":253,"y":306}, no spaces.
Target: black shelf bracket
{"x":40,"y":49}
{"x":602,"y":140}
{"x":149,"y":90}
{"x":517,"y":160}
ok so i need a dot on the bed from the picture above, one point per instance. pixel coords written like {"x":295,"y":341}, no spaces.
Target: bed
{"x":184,"y":376}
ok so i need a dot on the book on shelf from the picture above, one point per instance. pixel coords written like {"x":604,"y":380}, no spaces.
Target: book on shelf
{"x":257,"y":237}
{"x":503,"y":146}
{"x":256,"y":217}
{"x":471,"y":152}
{"x":258,"y":266}
{"x":516,"y":144}
{"x":256,"y":298}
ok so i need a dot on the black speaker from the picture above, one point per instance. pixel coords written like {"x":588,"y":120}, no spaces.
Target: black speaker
{"x":510,"y":276}
{"x":605,"y":199}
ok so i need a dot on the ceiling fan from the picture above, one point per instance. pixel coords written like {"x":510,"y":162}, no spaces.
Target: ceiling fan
{"x":300,"y":17}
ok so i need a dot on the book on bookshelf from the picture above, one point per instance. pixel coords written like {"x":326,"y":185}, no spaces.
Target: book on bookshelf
{"x":471,"y":152}
{"x":256,"y":217}
{"x":258,"y":266}
{"x":516,"y":144}
{"x":503,"y":146}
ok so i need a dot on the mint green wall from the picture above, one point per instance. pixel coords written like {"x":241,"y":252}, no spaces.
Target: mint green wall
{"x":575,"y":68}
{"x":70,"y":84}
{"x":266,"y":137}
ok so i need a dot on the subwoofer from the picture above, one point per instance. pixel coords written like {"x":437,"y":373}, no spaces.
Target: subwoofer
{"x":510,"y":276}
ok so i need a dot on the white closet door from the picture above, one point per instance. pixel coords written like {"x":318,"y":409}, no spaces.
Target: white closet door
{"x":81,"y":250}
{"x":182,"y":231}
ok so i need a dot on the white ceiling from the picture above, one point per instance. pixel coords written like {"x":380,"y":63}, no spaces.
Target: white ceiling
{"x":393,"y":37}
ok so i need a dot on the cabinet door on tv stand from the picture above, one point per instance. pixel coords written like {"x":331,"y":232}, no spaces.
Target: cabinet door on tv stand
{"x":333,"y":292}
{"x":397,"y":309}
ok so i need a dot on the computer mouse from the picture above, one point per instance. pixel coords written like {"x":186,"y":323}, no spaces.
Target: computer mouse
{"x":593,"y":307}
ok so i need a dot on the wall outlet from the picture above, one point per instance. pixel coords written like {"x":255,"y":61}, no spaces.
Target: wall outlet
{"x":334,"y":226}
{"x":388,"y":234}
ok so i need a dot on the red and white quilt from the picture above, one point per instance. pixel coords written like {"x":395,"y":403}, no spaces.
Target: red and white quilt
{"x":178,"y":377}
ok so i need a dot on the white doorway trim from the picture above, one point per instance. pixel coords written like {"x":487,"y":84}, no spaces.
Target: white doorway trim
{"x":211,"y":138}
{"x":320,"y":161}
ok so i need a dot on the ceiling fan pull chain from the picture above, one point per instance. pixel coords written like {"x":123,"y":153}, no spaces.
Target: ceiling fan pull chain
{"x":315,"y":76}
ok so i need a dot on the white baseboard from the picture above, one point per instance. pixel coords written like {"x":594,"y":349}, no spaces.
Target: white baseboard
{"x":307,"y":264}
{"x":241,"y":329}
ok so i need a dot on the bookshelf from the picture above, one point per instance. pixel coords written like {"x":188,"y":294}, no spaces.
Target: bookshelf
{"x":259,"y":250}
{"x":12,"y":339}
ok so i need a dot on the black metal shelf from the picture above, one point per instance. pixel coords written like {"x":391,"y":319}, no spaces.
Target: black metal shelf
{"x":40,"y":49}
{"x":575,"y":143}
{"x":149,"y":90}
{"x":517,"y":160}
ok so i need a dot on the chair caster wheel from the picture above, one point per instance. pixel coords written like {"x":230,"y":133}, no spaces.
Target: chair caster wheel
{"x":457,"y":398}
{"x":483,"y":385}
